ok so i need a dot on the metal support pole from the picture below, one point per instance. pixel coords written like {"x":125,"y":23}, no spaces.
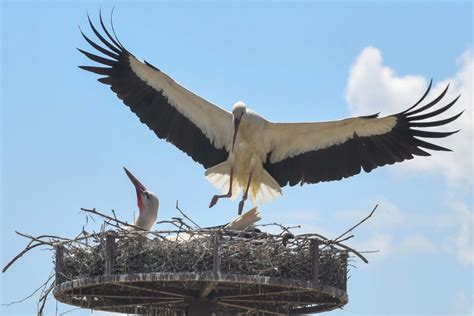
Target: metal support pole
{"x":216,"y":268}
{"x":314,"y":250}
{"x":59,"y":264}
{"x":201,"y":307}
{"x":109,"y":254}
{"x":344,"y":257}
{"x":216,"y":258}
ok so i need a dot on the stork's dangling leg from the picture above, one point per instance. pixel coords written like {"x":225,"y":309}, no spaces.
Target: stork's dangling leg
{"x":245,"y":195}
{"x":216,"y":198}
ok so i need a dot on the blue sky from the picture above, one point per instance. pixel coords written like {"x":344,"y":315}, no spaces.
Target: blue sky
{"x":65,"y":137}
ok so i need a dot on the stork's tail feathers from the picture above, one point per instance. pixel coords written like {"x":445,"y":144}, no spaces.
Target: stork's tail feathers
{"x":263,"y":188}
{"x":245,"y":220}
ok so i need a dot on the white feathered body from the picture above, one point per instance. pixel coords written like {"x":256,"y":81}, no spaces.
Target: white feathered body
{"x":247,"y":158}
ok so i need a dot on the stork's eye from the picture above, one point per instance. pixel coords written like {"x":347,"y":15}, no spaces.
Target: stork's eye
{"x":147,"y":195}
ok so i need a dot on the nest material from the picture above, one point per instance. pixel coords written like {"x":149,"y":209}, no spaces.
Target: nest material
{"x":233,"y":272}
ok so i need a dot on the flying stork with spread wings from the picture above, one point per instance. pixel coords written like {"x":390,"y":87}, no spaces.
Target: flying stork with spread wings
{"x":244,"y":152}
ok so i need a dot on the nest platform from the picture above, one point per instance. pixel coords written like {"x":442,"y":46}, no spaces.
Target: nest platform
{"x":213,"y":271}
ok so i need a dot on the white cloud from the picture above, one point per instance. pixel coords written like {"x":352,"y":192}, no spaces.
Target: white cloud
{"x":373,"y":87}
{"x":463,"y":240}
{"x":463,"y":303}
{"x":418,"y":243}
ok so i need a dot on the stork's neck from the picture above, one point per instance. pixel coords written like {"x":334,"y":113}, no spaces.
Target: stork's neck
{"x":148,"y":212}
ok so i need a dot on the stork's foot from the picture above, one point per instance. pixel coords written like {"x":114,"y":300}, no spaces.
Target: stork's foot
{"x":214,"y":200}
{"x":241,"y":207}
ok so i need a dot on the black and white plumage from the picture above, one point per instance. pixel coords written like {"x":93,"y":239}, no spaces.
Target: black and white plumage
{"x":242,"y":151}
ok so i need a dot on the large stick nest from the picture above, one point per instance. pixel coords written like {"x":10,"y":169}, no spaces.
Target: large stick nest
{"x":210,"y":270}
{"x":249,"y":253}
{"x":174,"y":266}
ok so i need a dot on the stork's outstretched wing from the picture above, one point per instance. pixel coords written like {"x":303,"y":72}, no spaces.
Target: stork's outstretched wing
{"x":315,"y":152}
{"x":194,"y":125}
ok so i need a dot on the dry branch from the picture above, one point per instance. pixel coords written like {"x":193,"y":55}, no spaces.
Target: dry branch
{"x":358,"y":224}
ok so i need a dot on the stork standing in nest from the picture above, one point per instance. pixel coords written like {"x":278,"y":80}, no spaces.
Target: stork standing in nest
{"x":148,"y":204}
{"x":244,"y":152}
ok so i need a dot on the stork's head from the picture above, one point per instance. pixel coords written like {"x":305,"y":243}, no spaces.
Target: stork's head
{"x":147,"y":202}
{"x":238,"y":112}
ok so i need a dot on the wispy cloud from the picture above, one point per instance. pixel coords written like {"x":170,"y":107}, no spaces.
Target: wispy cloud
{"x":462,"y":241}
{"x":373,"y":87}
{"x":464,"y":303}
{"x":395,"y":231}
{"x":418,"y":243}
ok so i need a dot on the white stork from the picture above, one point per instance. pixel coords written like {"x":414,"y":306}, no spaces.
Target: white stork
{"x":147,"y":202}
{"x":241,"y":150}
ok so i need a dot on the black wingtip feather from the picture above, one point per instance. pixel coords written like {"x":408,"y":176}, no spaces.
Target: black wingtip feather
{"x":428,"y":134}
{"x":98,"y":59}
{"x":436,"y":123}
{"x":98,"y":70}
{"x":113,"y":28}
{"x":421,"y":99}
{"x":100,"y":48}
{"x":434,"y":113}
{"x":430,"y":104}
{"x":105,"y":80}
{"x":107,"y":32}
{"x":102,"y":39}
{"x":421,"y":143}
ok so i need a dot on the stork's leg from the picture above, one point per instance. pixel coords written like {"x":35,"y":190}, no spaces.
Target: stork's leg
{"x":216,"y":198}
{"x":245,"y":195}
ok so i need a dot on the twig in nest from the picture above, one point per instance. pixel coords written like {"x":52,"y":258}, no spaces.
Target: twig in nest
{"x":168,"y":222}
{"x":181,"y":223}
{"x":353,"y":227}
{"x":93,"y":211}
{"x":109,"y":222}
{"x":113,"y":212}
{"x":182,"y":213}
{"x":284,"y":229}
{"x":347,"y":238}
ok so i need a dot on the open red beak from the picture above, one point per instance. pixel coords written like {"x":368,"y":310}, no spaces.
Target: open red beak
{"x":236,"y":129}
{"x":140,"y":188}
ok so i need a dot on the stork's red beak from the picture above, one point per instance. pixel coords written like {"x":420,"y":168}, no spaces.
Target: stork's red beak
{"x":236,"y":129}
{"x":140,"y":188}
